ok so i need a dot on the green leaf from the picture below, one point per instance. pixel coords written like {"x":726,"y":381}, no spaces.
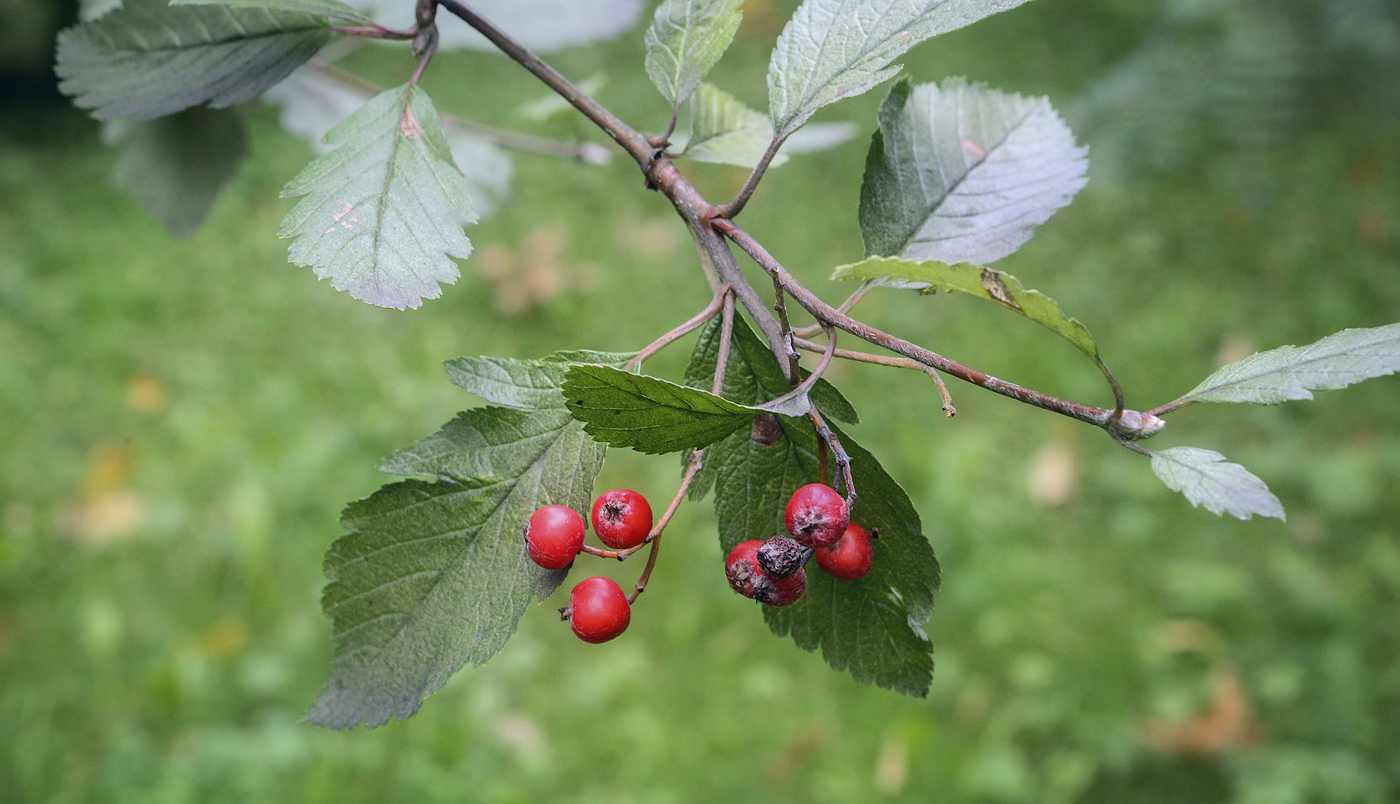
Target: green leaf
{"x":724,"y":130}
{"x":984,"y":283}
{"x":147,"y":60}
{"x":963,"y":173}
{"x":384,"y":211}
{"x":648,"y":414}
{"x":524,"y":384}
{"x":874,"y":627}
{"x":176,"y":165}
{"x":685,"y":40}
{"x":334,"y":11}
{"x":834,"y":49}
{"x":1294,"y":372}
{"x":433,"y":575}
{"x":1222,"y":488}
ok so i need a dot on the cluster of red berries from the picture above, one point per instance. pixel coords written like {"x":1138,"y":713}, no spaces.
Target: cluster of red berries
{"x":819,"y":522}
{"x":622,"y":519}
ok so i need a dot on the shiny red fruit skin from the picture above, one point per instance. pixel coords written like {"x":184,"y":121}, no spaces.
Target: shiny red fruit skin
{"x":748,"y":579}
{"x":851,"y":558}
{"x":600,"y":610}
{"x":554,"y":536}
{"x":621,"y":518}
{"x":816,"y":516}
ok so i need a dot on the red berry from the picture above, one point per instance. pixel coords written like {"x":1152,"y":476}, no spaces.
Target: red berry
{"x":554,"y":536}
{"x":621,"y":518}
{"x":600,"y":610}
{"x":817,"y":516}
{"x":748,"y":578}
{"x":851,"y":557}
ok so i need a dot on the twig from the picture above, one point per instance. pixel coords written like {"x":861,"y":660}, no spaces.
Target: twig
{"x":843,"y":307}
{"x":793,"y":357}
{"x":681,"y":331}
{"x":892,"y":362}
{"x":736,"y":206}
{"x":1128,"y":424}
{"x":726,"y":334}
{"x":843,"y":461}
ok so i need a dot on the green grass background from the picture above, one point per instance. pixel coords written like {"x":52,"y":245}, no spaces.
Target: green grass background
{"x":183,"y":420}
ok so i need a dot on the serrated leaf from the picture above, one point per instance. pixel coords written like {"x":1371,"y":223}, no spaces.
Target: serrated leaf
{"x":979,"y":281}
{"x":834,"y":49}
{"x":685,"y":40}
{"x":433,"y":575}
{"x":543,"y":26}
{"x":874,"y":627}
{"x":334,"y":11}
{"x":963,"y":173}
{"x":1208,"y":481}
{"x":313,"y":103}
{"x":724,"y":130}
{"x":384,"y":211}
{"x":648,"y":414}
{"x":1294,"y":372}
{"x":176,"y":165}
{"x":148,"y":60}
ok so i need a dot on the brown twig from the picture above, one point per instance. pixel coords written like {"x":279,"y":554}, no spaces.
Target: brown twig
{"x":1128,"y":424}
{"x":892,"y":362}
{"x":692,"y":466}
{"x":681,"y":331}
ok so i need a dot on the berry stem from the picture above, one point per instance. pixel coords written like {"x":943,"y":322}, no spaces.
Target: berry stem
{"x":726,"y":333}
{"x":692,"y":467}
{"x":843,"y":461}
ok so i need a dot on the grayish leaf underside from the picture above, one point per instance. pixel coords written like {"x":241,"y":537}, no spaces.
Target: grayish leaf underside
{"x":313,"y":104}
{"x":384,"y":211}
{"x":333,"y":10}
{"x":962,"y":173}
{"x":1209,"y":481}
{"x":685,"y":40}
{"x":433,"y":575}
{"x":147,"y":62}
{"x":1294,"y":372}
{"x":834,"y":49}
{"x":724,"y":130}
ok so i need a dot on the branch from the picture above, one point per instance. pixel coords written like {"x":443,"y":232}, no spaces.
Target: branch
{"x":1127,"y":424}
{"x":629,"y":138}
{"x":892,"y":362}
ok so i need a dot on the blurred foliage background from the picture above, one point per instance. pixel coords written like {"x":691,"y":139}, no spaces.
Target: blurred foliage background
{"x":183,"y":420}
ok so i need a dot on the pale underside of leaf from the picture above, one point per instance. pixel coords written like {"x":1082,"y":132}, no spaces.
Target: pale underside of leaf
{"x":176,"y":165}
{"x":543,"y":26}
{"x":1210,"y":482}
{"x":1294,"y":372}
{"x":982,"y":282}
{"x":150,"y":61}
{"x":685,"y":40}
{"x":333,"y":10}
{"x":834,"y":49}
{"x":313,"y":103}
{"x":433,"y":575}
{"x":963,"y":173}
{"x":724,"y":130}
{"x":384,"y":211}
